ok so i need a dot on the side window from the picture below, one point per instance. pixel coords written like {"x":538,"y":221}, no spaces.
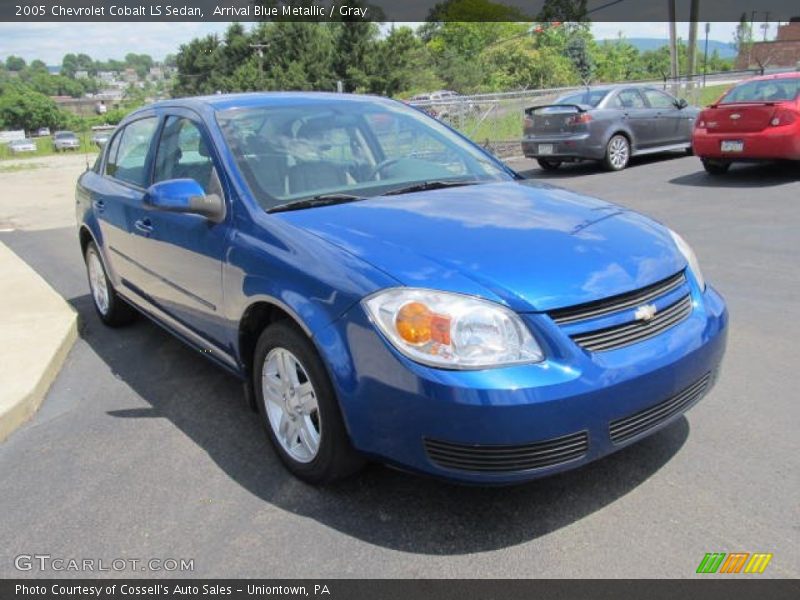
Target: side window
{"x":111,"y":161}
{"x":658,"y":99}
{"x":183,"y":154}
{"x":127,"y":161}
{"x":630,"y":99}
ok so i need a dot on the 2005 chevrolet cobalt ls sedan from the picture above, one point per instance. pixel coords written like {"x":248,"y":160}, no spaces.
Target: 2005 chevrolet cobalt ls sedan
{"x":388,"y":290}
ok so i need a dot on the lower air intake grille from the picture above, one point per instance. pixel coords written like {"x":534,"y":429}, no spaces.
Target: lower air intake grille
{"x":629,"y":427}
{"x":505,"y":459}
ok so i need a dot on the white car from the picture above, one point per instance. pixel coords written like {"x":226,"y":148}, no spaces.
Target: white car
{"x":20,"y":146}
{"x":65,"y":140}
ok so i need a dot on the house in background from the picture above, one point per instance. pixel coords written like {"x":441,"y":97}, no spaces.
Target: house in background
{"x":783,"y":51}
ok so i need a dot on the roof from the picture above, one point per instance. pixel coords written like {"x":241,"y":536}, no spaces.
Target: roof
{"x":786,"y":75}
{"x":219,"y":102}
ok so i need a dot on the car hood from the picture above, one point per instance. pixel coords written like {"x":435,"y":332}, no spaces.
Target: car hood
{"x":531,"y":246}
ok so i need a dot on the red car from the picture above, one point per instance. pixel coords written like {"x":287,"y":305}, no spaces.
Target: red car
{"x":758,"y":119}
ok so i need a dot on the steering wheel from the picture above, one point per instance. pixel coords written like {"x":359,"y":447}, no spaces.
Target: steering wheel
{"x":381,"y":166}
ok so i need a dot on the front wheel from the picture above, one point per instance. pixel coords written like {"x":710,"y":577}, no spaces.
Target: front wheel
{"x":299,"y":408}
{"x":716,"y":167}
{"x":618,"y":153}
{"x":111,"y":309}
{"x":548,"y":164}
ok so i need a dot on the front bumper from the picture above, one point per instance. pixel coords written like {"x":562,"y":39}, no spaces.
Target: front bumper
{"x":771,"y":144}
{"x":565,"y":147}
{"x":411,"y":416}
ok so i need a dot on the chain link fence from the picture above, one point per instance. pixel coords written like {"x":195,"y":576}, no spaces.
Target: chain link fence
{"x":495,"y":120}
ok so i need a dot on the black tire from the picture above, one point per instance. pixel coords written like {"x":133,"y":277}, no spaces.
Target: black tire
{"x":690,"y":151}
{"x":716,"y":167}
{"x":335,"y":457}
{"x":618,"y":153}
{"x":115,"y":312}
{"x":548,"y":164}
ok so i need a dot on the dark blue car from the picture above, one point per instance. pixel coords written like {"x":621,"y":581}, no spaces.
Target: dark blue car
{"x":389,"y":291}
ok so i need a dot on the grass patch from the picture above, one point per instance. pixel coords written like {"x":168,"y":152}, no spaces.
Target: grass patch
{"x":712,"y":92}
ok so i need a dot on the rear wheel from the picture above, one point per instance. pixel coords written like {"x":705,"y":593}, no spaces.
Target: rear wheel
{"x":716,"y":167}
{"x":618,"y":153}
{"x":111,"y":309}
{"x":299,"y":407}
{"x":548,"y":164}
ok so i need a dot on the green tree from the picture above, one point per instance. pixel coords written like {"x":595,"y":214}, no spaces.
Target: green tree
{"x":577,"y":50}
{"x":15,"y":63}
{"x":572,"y":11}
{"x":69,"y":65}
{"x":405,"y":64}
{"x":354,"y":49}
{"x":197,"y":64}
{"x":24,"y":108}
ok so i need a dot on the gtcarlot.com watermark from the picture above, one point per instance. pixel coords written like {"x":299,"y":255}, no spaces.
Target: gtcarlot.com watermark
{"x":58,"y":564}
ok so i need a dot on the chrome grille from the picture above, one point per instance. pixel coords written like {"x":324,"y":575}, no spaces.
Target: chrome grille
{"x":618,"y":303}
{"x":504,"y":459}
{"x":624,"y":429}
{"x":635,"y":331}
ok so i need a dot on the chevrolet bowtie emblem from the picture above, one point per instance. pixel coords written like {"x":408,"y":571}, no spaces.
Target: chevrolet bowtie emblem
{"x":646,"y":312}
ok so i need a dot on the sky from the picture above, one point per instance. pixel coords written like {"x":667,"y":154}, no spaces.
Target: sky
{"x":51,"y":41}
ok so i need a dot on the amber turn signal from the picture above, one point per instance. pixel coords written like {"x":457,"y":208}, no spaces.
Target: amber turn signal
{"x":417,"y":324}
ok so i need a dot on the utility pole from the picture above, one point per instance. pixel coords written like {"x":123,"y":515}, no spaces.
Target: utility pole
{"x":694,"y":11}
{"x":673,"y":41}
{"x":705,"y":55}
{"x":259,"y":48}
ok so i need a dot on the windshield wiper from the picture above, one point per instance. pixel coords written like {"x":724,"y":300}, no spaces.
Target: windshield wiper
{"x":429,"y":185}
{"x":319,"y":200}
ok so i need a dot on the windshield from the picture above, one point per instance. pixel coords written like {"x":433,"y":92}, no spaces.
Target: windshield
{"x":768,"y":90}
{"x":65,"y":136}
{"x":290,"y":152}
{"x":589,"y":97}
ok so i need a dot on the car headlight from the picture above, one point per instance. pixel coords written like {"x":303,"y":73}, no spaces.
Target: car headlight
{"x":690,"y":257}
{"x":452,"y":331}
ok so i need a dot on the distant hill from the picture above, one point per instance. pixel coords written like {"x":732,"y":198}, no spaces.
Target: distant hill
{"x":725,"y":49}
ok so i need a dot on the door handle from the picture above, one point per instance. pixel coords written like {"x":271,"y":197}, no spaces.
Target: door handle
{"x":144,"y":225}
{"x":99,"y":205}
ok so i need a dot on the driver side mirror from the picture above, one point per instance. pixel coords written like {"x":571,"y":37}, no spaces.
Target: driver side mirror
{"x":185,"y":196}
{"x":682,"y":103}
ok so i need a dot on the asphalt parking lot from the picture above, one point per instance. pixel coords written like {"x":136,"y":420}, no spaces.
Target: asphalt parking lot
{"x":143,"y":449}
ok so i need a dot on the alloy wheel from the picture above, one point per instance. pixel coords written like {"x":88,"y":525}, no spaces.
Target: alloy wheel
{"x":618,"y":152}
{"x":291,"y":404}
{"x":97,"y":282}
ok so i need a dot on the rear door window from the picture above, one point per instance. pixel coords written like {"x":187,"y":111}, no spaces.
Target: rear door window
{"x":630,"y":98}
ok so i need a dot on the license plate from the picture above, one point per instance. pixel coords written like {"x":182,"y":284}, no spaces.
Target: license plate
{"x":732,"y":146}
{"x":545,"y":148}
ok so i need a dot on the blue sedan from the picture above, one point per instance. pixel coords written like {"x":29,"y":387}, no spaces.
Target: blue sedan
{"x":387,"y":290}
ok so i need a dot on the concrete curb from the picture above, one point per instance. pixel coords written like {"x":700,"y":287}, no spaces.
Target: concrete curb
{"x":36,"y":333}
